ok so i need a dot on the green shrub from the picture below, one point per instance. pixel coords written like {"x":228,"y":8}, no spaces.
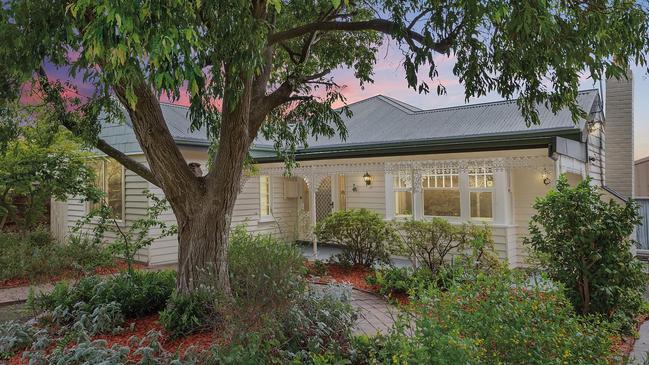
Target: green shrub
{"x":587,"y":246}
{"x":265,"y":273}
{"x":496,"y":319}
{"x":189,"y":313}
{"x":436,"y":243}
{"x":36,"y":255}
{"x":364,"y":236}
{"x":402,"y":280}
{"x":138,"y":294}
{"x":15,"y":336}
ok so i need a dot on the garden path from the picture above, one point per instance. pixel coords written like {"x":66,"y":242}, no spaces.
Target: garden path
{"x":375,"y":314}
{"x":641,"y":347}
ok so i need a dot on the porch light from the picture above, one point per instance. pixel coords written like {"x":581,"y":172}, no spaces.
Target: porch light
{"x":546,"y":177}
{"x":368,"y":179}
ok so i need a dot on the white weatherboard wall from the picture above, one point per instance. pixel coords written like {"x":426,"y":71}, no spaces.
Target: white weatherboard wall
{"x":619,"y":135}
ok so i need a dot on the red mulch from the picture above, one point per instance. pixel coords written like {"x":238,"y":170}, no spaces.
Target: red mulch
{"x":141,"y":326}
{"x":624,"y":345}
{"x":69,"y":274}
{"x":355,"y":276}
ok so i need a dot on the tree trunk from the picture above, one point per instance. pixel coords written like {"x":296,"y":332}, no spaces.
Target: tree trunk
{"x":202,"y":248}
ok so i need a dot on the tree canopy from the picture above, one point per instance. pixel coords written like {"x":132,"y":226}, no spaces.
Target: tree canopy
{"x":264,"y":67}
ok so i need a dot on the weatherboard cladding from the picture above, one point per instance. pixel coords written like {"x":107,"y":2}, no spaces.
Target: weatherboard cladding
{"x":381,"y":119}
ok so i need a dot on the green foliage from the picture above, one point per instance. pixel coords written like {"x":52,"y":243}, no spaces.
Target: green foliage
{"x":138,"y":293}
{"x":15,"y":336}
{"x":265,"y":273}
{"x":588,"y":248}
{"x":435,"y":243}
{"x":402,"y":280}
{"x":135,"y":236}
{"x":189,"y":313}
{"x":496,"y":319}
{"x":364,"y":236}
{"x":38,"y":160}
{"x":36,"y":255}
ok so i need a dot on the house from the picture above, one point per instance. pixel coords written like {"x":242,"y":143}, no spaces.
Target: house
{"x":473,"y":163}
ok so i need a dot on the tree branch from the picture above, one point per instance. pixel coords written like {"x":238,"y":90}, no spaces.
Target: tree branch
{"x":379,"y":25}
{"x":100,"y":144}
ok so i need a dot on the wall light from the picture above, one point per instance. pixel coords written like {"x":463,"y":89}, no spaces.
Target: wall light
{"x":368,"y":179}
{"x":546,"y":177}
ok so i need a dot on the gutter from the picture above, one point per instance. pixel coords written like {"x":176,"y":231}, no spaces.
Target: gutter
{"x":509,"y":141}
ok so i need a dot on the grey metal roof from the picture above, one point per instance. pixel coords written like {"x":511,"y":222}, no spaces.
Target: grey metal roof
{"x":384,"y":120}
{"x":380,"y":119}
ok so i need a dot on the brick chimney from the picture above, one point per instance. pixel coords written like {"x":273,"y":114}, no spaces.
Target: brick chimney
{"x":619,"y":135}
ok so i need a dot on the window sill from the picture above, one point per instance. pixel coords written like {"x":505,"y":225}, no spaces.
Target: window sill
{"x":266,"y":219}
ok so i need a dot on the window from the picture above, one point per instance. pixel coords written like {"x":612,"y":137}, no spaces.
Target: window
{"x":402,"y":193}
{"x":265,"y":209}
{"x":109,"y":178}
{"x":481,"y":185}
{"x":441,"y":193}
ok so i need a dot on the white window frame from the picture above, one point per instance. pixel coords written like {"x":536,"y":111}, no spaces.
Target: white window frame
{"x":435,"y":174}
{"x":104,"y":187}
{"x":473,"y":172}
{"x":407,"y":174}
{"x":266,"y":217}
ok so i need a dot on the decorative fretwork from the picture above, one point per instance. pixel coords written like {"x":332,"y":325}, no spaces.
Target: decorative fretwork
{"x":323,"y":202}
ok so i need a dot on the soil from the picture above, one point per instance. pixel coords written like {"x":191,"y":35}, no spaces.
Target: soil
{"x":354,"y":275}
{"x":68,"y":274}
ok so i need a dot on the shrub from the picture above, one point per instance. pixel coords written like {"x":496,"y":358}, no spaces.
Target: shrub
{"x":497,"y":319}
{"x":587,"y":248}
{"x":34,"y":255}
{"x":139,"y":293}
{"x":401,"y":280}
{"x":265,"y":273}
{"x":15,"y":336}
{"x":364,"y":236}
{"x":433,"y":242}
{"x":189,"y":313}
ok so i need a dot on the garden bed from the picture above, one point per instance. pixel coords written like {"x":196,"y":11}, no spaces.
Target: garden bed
{"x":139,"y":328}
{"x":118,"y":266}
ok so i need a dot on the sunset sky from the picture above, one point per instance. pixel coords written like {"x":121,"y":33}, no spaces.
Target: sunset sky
{"x":390,"y":81}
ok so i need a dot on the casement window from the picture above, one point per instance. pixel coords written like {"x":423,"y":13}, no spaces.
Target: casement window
{"x":441,"y":193}
{"x":481,"y":192}
{"x":402,"y":187}
{"x":109,"y":178}
{"x":265,"y":205}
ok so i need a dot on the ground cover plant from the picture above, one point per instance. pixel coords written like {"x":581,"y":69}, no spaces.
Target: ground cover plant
{"x":495,"y":319}
{"x":584,"y":243}
{"x":35,"y":255}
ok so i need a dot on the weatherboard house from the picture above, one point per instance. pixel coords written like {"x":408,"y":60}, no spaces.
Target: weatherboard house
{"x":474,"y":163}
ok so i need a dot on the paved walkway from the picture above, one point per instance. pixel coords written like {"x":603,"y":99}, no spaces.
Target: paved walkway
{"x":375,"y":314}
{"x":641,"y":347}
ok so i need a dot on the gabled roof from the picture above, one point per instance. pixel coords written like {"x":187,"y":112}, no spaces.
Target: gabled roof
{"x":380,"y":119}
{"x":380,"y":123}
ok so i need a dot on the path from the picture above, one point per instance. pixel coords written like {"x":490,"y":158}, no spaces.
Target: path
{"x":641,"y":347}
{"x":375,"y":314}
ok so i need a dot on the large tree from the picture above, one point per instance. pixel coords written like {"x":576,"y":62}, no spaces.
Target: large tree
{"x":264,"y":67}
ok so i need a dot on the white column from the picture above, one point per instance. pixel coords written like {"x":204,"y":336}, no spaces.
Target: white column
{"x":501,"y":197}
{"x":417,"y":196}
{"x":389,"y":195}
{"x":312,"y":190}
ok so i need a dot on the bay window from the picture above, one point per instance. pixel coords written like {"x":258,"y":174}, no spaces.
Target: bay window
{"x":441,"y":193}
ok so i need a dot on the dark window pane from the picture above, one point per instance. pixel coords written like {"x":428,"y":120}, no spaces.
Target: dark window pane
{"x":442,"y":202}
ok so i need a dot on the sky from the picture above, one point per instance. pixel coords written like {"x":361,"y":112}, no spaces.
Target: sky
{"x":389,"y":80}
